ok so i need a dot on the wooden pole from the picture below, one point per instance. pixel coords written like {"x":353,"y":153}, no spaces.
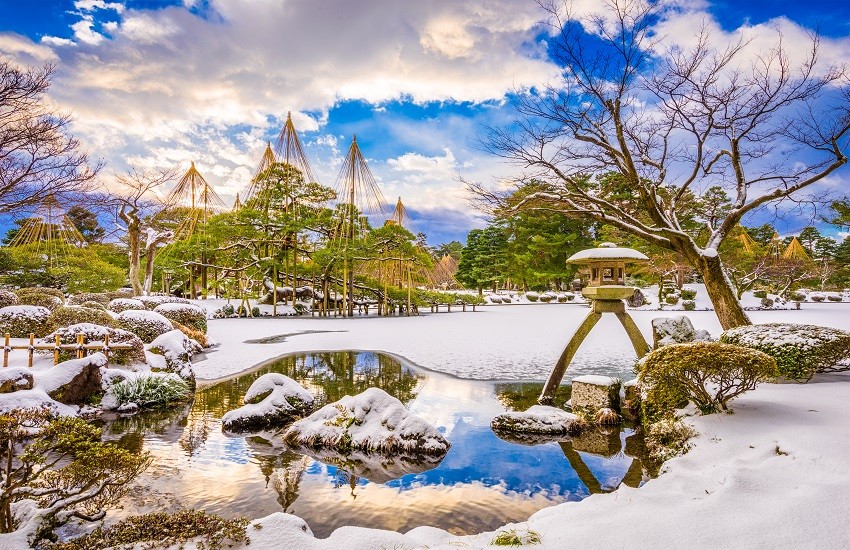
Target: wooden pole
{"x":6,"y":349}
{"x":106,"y":348}
{"x":80,"y":344}
{"x":57,"y":343}
{"x":31,"y":348}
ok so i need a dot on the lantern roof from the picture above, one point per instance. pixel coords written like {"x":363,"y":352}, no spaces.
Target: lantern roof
{"x":607,"y":251}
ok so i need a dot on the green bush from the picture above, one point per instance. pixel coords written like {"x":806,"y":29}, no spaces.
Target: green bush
{"x":190,"y":315}
{"x":532,"y":296}
{"x":708,"y":373}
{"x":546,"y":298}
{"x":688,"y":293}
{"x":672,"y":299}
{"x":147,"y":325}
{"x":96,"y":333}
{"x":760,"y":293}
{"x":8,"y":298}
{"x":689,"y":305}
{"x":800,"y":351}
{"x":153,"y":390}
{"x":125,"y":304}
{"x":19,"y":321}
{"x":94,"y":305}
{"x":818,"y":297}
{"x":72,"y":315}
{"x":797,"y":297}
{"x":44,"y":297}
{"x":766,"y":303}
{"x":562,"y":298}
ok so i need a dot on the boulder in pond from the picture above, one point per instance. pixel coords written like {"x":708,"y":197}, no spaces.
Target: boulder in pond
{"x":538,"y":419}
{"x":272,"y":401}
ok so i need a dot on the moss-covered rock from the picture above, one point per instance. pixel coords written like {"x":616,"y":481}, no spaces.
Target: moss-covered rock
{"x":800,"y":351}
{"x":708,"y":373}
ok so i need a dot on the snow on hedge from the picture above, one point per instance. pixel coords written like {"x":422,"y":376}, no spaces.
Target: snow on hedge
{"x":177,"y":350}
{"x":96,"y":334}
{"x":271,"y":401}
{"x":151,"y":302}
{"x":145,"y":324}
{"x":800,"y":350}
{"x":370,"y":421}
{"x":190,"y":315}
{"x":123,"y":304}
{"x":538,"y":419}
{"x":21,"y":320}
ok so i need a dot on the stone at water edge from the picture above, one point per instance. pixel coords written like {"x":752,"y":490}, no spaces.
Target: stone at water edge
{"x":74,"y":382}
{"x":538,"y":419}
{"x":272,"y":401}
{"x":592,"y":392}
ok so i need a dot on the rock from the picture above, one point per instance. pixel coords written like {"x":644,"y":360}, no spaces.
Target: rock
{"x":630,"y":406}
{"x":538,"y":419}
{"x":676,"y":330}
{"x":15,"y":379}
{"x":591,"y":393}
{"x":74,"y":382}
{"x":637,"y":299}
{"x":373,"y":421}
{"x":177,"y":350}
{"x":272,"y":401}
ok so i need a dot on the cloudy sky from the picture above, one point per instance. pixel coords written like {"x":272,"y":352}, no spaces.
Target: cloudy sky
{"x":163,"y":83}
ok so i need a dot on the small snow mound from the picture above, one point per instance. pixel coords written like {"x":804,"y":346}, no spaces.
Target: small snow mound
{"x":538,"y":419}
{"x":596,"y":380}
{"x":271,"y":401}
{"x":709,"y":253}
{"x":371,"y":421}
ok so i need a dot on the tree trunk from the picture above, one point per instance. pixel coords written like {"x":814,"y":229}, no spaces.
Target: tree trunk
{"x":134,"y":237}
{"x":726,"y":305}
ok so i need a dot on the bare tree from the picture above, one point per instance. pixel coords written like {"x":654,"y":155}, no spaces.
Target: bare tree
{"x":670,"y":123}
{"x":135,"y":205}
{"x":38,"y":159}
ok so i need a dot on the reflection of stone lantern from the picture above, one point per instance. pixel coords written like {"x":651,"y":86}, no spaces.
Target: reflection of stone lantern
{"x":606,"y":290}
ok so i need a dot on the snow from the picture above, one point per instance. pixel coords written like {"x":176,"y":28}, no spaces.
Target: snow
{"x":52,"y":379}
{"x":179,"y":307}
{"x":272,"y":382}
{"x":34,"y":312}
{"x":710,"y":253}
{"x":607,"y":253}
{"x":177,"y":350}
{"x":370,"y":421}
{"x":538,"y":419}
{"x":144,"y":316}
{"x":280,"y":399}
{"x":597,"y":380}
{"x":35,"y":398}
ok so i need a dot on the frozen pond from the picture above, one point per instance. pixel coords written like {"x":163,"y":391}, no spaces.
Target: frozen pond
{"x":482,"y":483}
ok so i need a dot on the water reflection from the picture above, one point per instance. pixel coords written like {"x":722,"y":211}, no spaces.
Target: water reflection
{"x":483,"y":482}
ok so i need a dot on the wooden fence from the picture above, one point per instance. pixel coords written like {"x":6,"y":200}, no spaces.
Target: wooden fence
{"x":81,"y":348}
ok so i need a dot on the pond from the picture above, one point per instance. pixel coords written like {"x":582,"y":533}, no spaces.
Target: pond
{"x":482,"y":483}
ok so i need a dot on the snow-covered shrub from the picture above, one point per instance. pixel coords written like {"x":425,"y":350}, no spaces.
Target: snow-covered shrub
{"x":797,"y":297}
{"x":176,"y":350}
{"x":506,"y":299}
{"x":562,"y":298}
{"x":225,"y":311}
{"x":672,"y":299}
{"x":190,"y":315}
{"x":147,"y":325}
{"x":95,"y":334}
{"x":833,"y":297}
{"x":818,"y":297}
{"x":532,"y":296}
{"x":192,"y":334}
{"x":546,"y":298}
{"x":73,"y":315}
{"x":800,"y":350}
{"x":372,"y":421}
{"x":688,"y":293}
{"x":20,"y":321}
{"x":94,"y":305}
{"x":570,"y":296}
{"x":495,"y":299}
{"x":767,"y":303}
{"x":8,"y":298}
{"x":689,"y":305}
{"x":81,"y":298}
{"x":760,"y":293}
{"x":668,"y":438}
{"x":146,"y":390}
{"x":44,"y":297}
{"x":708,"y":373}
{"x":676,"y":330}
{"x":123,"y":304}
{"x":154,"y":300}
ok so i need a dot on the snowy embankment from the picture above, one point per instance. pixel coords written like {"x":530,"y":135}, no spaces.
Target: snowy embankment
{"x":772,"y":475}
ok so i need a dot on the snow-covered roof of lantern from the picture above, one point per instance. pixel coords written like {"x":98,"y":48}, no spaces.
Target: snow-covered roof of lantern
{"x":607,"y":251}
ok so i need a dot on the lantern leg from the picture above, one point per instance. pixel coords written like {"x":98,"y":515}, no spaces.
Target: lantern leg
{"x":548,"y":395}
{"x":640,"y":345}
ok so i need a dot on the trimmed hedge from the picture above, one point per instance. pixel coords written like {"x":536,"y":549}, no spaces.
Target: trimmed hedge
{"x":708,"y":373}
{"x":96,"y":333}
{"x":21,"y":320}
{"x":800,"y":351}
{"x":8,"y":298}
{"x":44,"y":297}
{"x":125,"y":304}
{"x":145,"y":324}
{"x":154,"y":300}
{"x":72,"y":315}
{"x":190,"y":315}
{"x":688,"y":293}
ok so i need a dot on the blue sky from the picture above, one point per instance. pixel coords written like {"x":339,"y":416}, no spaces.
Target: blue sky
{"x":161,"y":84}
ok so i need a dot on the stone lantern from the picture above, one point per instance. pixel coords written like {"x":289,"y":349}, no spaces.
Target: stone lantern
{"x":606,"y":291}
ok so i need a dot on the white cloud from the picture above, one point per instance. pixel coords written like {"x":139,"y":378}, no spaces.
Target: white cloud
{"x":92,"y":5}
{"x":84,"y":31}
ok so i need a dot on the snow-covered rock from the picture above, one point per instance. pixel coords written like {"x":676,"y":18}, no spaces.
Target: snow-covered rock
{"x":177,"y":350}
{"x":35,"y":398}
{"x":15,"y":379}
{"x":271,"y":401}
{"x":370,"y":421}
{"x":74,"y":381}
{"x":676,"y":330}
{"x":538,"y":419}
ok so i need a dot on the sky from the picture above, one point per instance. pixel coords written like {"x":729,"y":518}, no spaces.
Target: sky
{"x":163,"y":83}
